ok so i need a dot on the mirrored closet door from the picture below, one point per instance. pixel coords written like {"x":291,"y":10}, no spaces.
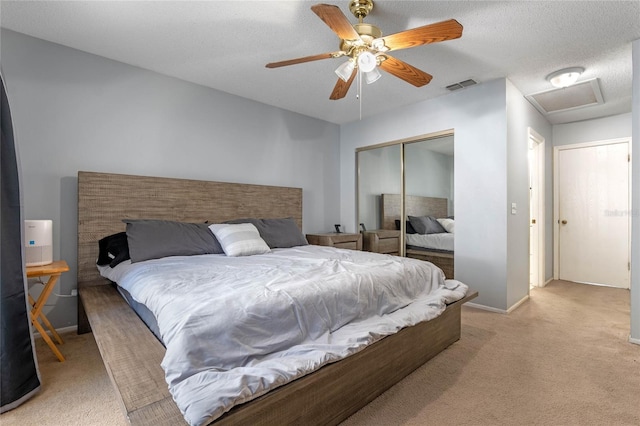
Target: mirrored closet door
{"x":411,"y":180}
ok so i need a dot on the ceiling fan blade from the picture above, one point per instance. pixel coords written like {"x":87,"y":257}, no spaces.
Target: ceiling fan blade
{"x":302,"y":60}
{"x":406,"y":72}
{"x":335,"y":19}
{"x":342,"y":87}
{"x":432,"y":33}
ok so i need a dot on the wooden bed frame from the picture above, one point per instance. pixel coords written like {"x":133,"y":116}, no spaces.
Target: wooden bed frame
{"x":419,"y":206}
{"x":132,"y":355}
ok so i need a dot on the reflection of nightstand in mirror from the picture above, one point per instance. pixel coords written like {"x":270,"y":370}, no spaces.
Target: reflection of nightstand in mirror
{"x":382,"y":241}
{"x":53,"y":271}
{"x":338,"y":240}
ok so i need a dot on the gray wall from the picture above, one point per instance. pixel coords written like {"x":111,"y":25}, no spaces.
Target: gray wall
{"x":76,"y":111}
{"x":477,"y":115}
{"x":635,"y":188}
{"x":521,"y":116}
{"x":490,"y":123}
{"x":380,"y":172}
{"x":429,"y":173}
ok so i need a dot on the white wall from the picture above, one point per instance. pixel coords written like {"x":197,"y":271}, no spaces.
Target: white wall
{"x":599,"y":129}
{"x":76,"y":111}
{"x":635,"y":188}
{"x":477,"y":115}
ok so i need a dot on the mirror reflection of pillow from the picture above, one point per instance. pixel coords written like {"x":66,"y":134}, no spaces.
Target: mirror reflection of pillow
{"x":426,"y":225}
{"x":447,"y":224}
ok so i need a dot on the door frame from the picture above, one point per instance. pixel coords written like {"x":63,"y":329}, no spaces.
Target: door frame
{"x":556,"y":195}
{"x":535,"y":138}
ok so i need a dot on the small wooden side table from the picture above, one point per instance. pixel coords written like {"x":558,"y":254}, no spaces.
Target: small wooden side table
{"x":53,"y":271}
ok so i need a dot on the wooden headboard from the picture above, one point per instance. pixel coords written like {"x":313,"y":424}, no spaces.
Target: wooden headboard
{"x":414,"y":206}
{"x":104,"y":199}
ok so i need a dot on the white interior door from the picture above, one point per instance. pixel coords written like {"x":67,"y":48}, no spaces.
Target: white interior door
{"x":536,"y":209}
{"x":593,"y":214}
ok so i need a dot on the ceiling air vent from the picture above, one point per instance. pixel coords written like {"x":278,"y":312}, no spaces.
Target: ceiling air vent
{"x":461,"y":85}
{"x":580,"y":95}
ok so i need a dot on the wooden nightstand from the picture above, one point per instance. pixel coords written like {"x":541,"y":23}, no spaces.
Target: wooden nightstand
{"x":53,"y":271}
{"x":382,"y":241}
{"x":338,"y":240}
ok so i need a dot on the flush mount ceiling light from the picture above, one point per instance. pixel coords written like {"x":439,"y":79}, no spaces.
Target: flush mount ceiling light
{"x":565,"y":77}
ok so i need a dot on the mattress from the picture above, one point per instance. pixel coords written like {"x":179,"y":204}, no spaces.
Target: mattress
{"x":440,"y":242}
{"x":142,"y":311}
{"x":238,"y":327}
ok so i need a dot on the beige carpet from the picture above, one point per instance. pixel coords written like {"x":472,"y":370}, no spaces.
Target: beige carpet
{"x":562,"y":358}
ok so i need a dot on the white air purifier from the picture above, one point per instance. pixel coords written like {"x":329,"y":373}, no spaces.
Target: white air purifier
{"x":38,"y":242}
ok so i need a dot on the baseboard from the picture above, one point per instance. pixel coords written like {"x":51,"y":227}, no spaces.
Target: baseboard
{"x":634,"y":341}
{"x":517,"y":304}
{"x":485,"y":308}
{"x":71,"y":328}
{"x":496,"y":310}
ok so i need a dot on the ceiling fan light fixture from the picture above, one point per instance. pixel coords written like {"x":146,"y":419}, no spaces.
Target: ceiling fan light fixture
{"x":372,"y":76}
{"x":345,"y":70}
{"x":367,"y":61}
{"x":565,"y":77}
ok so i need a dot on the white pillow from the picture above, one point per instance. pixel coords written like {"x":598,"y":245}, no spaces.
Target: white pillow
{"x":242,"y":239}
{"x":447,"y":224}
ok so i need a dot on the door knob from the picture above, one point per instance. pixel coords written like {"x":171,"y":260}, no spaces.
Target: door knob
{"x":564,"y":222}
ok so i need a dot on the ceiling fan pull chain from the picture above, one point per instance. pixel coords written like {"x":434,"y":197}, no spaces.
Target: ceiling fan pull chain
{"x":359,"y":95}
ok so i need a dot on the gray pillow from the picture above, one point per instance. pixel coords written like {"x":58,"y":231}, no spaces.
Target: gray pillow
{"x":153,"y":239}
{"x":426,"y":225}
{"x":277,"y":233}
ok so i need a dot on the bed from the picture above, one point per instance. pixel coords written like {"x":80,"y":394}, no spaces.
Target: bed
{"x":133,"y":355}
{"x":436,"y":248}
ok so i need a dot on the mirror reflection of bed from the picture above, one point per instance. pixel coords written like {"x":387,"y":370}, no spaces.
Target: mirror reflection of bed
{"x":436,"y":245}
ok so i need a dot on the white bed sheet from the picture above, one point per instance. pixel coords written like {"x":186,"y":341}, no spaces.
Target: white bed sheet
{"x":440,"y":241}
{"x":235,"y":328}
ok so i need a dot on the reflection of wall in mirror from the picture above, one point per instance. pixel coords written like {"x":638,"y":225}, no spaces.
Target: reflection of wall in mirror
{"x":429,"y":173}
{"x":379,"y":171}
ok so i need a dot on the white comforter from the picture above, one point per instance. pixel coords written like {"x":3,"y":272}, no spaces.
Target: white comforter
{"x":440,"y":241}
{"x":235,"y":328}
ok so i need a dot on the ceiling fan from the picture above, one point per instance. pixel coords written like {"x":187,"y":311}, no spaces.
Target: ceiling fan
{"x":367,"y":49}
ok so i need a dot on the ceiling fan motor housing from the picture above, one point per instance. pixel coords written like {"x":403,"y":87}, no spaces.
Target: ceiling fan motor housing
{"x":361,"y":8}
{"x":368,"y":33}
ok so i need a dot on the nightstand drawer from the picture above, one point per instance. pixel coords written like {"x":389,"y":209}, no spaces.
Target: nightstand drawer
{"x":388,"y":245}
{"x":338,"y":240}
{"x":382,"y":241}
{"x":351,"y":245}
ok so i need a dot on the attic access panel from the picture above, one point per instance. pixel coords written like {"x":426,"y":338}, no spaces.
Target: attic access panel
{"x":580,"y":95}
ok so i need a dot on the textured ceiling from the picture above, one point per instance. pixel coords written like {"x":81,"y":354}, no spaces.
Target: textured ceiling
{"x":226,"y":44}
